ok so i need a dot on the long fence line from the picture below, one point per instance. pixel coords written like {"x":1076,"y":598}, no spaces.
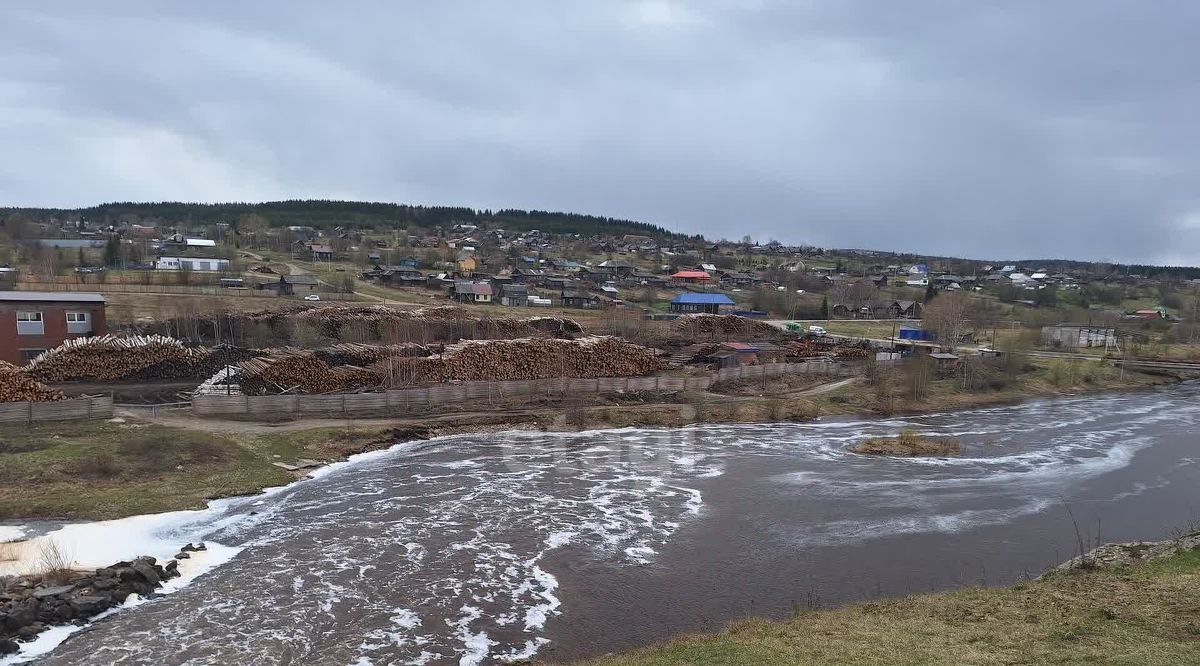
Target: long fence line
{"x":420,"y":399}
{"x":196,"y":290}
{"x":100,"y":407}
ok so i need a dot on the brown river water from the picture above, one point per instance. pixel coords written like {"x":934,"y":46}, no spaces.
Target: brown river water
{"x":491,"y":548}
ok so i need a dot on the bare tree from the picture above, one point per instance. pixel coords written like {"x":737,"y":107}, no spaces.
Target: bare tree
{"x":949,"y":316}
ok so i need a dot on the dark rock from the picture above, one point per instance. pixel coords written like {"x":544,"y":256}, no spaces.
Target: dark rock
{"x":104,"y":583}
{"x":201,"y":546}
{"x":28,"y":631}
{"x":64,"y":612}
{"x":88,"y":606}
{"x":141,"y":588}
{"x":187,"y":548}
{"x":44,"y":592}
{"x":119,"y":595}
{"x":8,"y":646}
{"x":21,"y":614}
{"x":147,"y":571}
{"x":127,"y":574}
{"x":182,"y":555}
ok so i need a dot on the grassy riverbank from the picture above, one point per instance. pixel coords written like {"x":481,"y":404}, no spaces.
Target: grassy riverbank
{"x":102,"y":470}
{"x":1146,"y":614}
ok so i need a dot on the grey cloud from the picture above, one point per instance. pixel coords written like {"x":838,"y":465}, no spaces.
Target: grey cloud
{"x":990,"y":130}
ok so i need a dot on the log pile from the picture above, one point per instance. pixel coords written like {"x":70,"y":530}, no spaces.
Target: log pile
{"x":393,"y":325}
{"x":15,"y":386}
{"x":860,"y":349}
{"x":363,"y":355}
{"x":301,"y":371}
{"x":110,"y":357}
{"x":701,"y":325}
{"x":523,"y":359}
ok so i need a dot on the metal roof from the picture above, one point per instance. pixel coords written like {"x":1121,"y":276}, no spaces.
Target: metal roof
{"x":702,"y":299}
{"x":302,"y":278}
{"x":69,"y":296}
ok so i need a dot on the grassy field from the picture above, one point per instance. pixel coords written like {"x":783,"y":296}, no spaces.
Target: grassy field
{"x":101,"y":470}
{"x":131,"y":307}
{"x":1147,"y":614}
{"x":1004,"y":335}
{"x":1054,"y":378}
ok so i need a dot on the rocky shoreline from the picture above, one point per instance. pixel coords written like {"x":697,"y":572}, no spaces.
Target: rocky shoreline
{"x":1114,"y":555}
{"x":32,"y":604}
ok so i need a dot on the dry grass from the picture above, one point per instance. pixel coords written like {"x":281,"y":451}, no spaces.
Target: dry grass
{"x":12,"y":550}
{"x":909,"y":443}
{"x":1142,"y":615}
{"x":54,"y":563}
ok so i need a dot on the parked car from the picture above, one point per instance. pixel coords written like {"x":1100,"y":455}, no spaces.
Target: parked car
{"x":817,"y":330}
{"x":312,"y":297}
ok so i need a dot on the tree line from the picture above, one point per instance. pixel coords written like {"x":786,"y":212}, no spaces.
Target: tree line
{"x":320,"y":213}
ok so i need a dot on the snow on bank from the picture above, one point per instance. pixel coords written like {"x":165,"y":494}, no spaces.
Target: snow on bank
{"x":99,"y":544}
{"x":160,"y":535}
{"x":200,"y":563}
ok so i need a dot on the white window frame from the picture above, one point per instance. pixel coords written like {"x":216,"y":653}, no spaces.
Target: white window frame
{"x":31,"y":322}
{"x":79,"y":318}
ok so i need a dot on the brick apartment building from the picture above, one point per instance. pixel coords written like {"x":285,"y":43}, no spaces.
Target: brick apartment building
{"x":34,"y":321}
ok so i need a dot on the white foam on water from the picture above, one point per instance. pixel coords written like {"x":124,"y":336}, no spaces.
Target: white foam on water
{"x":11,"y":533}
{"x":466,"y":547}
{"x":190,"y":569}
{"x":476,"y":645}
{"x":41,"y":645}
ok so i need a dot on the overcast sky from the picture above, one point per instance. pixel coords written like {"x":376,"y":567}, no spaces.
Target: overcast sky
{"x":984,"y":129}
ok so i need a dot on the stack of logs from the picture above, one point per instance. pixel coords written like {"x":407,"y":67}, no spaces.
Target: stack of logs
{"x":697,"y":325}
{"x":350,"y":353}
{"x":144,"y":357}
{"x":301,"y":371}
{"x":110,"y":357}
{"x":17,"y":387}
{"x":529,"y":358}
{"x":388,"y":324}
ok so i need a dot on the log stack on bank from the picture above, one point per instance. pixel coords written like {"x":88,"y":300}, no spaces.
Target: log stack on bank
{"x":15,"y":386}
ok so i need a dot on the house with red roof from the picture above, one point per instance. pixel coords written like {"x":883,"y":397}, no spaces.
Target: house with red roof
{"x":691,"y":277}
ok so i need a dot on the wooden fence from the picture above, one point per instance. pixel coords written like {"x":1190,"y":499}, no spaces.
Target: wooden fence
{"x":399,"y":402}
{"x":194,"y":290}
{"x":58,"y":410}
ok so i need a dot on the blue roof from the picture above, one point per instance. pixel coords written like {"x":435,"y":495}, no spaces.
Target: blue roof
{"x":689,"y":298}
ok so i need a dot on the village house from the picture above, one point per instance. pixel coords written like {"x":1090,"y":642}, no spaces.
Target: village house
{"x":197,"y":264}
{"x":736,"y":279}
{"x":690,"y":303}
{"x":527,"y":275}
{"x":617,"y":268}
{"x":466,"y":291}
{"x":321,"y":252}
{"x":592,"y":275}
{"x":294,"y":285}
{"x":396,"y":276}
{"x":578,"y":299}
{"x":904,"y":310}
{"x":734,"y":354}
{"x":514,"y":294}
{"x":691,"y":277}
{"x":466,"y":264}
{"x":33,"y":321}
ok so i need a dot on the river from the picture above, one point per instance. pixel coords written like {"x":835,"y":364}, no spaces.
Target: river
{"x":484,"y":548}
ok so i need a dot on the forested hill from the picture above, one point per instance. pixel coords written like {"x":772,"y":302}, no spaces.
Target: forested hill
{"x":324,"y":214}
